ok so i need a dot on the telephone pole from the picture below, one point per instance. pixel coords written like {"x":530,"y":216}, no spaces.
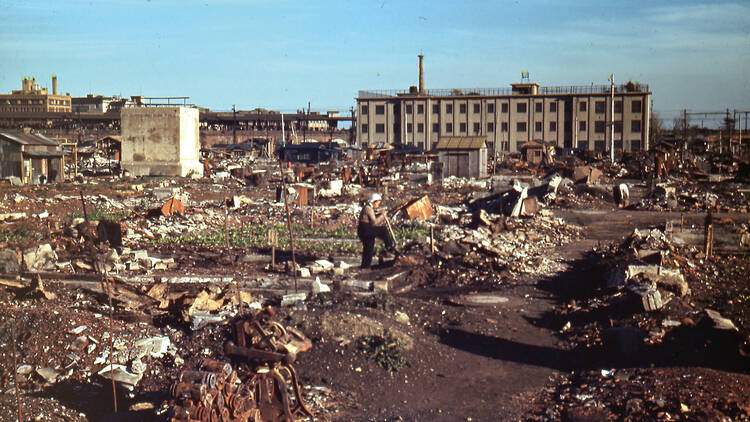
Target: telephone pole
{"x":612,"y":118}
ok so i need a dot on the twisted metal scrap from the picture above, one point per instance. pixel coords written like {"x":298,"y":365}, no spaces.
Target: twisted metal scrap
{"x":264,"y":387}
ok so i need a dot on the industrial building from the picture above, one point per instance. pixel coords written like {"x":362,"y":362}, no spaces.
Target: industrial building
{"x":31,"y":98}
{"x":568,"y":117}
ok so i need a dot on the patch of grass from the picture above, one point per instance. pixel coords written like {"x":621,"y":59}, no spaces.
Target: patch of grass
{"x":98,"y":214}
{"x":385,"y":350}
{"x":19,"y":233}
{"x":256,"y":237}
{"x":411,"y":232}
{"x":342,"y":239}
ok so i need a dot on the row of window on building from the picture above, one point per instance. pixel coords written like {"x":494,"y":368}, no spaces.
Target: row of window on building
{"x":600,"y":126}
{"x":599,"y":107}
{"x":35,"y":102}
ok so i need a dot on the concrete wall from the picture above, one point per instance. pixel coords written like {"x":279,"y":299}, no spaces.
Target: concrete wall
{"x":160,"y":141}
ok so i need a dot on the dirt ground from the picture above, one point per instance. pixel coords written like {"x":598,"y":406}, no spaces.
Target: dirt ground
{"x":508,"y":358}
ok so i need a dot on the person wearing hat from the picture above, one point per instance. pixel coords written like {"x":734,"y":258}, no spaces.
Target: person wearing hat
{"x":371,"y":226}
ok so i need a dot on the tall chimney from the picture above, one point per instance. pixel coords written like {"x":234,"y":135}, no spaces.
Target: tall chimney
{"x":54,"y":85}
{"x":421,"y":74}
{"x":25,"y":85}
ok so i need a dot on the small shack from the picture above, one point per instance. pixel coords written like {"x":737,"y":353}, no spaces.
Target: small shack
{"x":31,"y":157}
{"x":532,"y":152}
{"x":463,"y":156}
{"x":110,"y":147}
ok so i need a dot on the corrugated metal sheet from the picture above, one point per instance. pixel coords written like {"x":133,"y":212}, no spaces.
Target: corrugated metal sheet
{"x":461,"y":142}
{"x":29,"y":139}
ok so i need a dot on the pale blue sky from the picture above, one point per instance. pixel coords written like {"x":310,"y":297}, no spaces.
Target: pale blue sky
{"x":282,"y":54}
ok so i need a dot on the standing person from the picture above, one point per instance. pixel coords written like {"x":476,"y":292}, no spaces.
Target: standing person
{"x":371,"y":226}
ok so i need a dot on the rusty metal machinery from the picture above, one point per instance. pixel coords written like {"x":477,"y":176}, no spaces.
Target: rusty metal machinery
{"x":263,"y":385}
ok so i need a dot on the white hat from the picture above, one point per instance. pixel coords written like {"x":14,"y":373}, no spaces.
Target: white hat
{"x":374,"y":197}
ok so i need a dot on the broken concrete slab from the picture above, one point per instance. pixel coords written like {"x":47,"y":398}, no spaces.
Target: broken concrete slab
{"x":120,"y":374}
{"x":319,"y":287}
{"x":357,"y":284}
{"x":719,"y":322}
{"x":41,"y":259}
{"x":648,"y":296}
{"x":619,"y":276}
{"x":48,"y":374}
{"x":292,"y":298}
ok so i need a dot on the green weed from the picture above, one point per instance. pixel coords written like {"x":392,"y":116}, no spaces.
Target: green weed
{"x":98,"y":214}
{"x":19,"y":233}
{"x":385,"y":350}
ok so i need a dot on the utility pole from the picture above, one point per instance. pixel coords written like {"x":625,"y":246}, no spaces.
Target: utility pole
{"x":612,"y":118}
{"x":234,"y":125}
{"x":684,"y":126}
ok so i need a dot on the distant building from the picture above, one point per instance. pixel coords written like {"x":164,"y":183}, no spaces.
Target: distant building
{"x":33,"y":99}
{"x":98,"y":104}
{"x":573,"y":117}
{"x":31,"y":157}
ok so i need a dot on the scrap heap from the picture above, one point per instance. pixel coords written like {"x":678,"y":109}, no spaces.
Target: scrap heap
{"x":263,"y":384}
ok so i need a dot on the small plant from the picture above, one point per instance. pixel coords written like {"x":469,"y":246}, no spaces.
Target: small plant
{"x":18,"y":233}
{"x":385,"y":350}
{"x":98,"y":214}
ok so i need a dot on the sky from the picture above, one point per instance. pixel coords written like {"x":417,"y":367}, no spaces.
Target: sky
{"x":283,"y":54}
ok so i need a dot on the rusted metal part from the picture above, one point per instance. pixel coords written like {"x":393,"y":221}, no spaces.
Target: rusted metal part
{"x":265,"y":386}
{"x":420,"y":208}
{"x":172,"y":206}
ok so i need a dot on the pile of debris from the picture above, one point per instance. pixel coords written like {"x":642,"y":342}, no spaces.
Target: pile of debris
{"x":263,"y":385}
{"x":651,"y":293}
{"x":510,"y":246}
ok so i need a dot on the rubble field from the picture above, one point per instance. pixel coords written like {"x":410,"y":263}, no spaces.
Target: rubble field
{"x":533,"y":298}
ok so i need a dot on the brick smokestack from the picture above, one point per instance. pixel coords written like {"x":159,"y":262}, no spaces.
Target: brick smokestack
{"x":421,"y":74}
{"x":54,"y":85}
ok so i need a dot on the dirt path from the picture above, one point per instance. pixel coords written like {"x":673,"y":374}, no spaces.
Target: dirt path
{"x":485,"y":363}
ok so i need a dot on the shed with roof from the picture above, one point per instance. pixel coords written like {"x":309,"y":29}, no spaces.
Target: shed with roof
{"x":31,"y":157}
{"x":463,"y":156}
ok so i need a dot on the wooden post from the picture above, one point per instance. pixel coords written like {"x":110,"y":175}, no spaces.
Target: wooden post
{"x":432,"y":239}
{"x":709,"y":235}
{"x":273,"y":237}
{"x":289,"y":223}
{"x":312,"y":210}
